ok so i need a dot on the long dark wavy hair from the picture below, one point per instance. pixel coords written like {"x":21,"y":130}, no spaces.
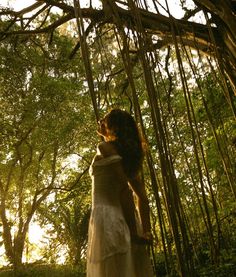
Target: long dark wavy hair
{"x":125,"y":136}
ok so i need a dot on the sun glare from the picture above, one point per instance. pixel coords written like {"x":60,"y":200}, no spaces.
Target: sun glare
{"x":35,"y":233}
{"x":16,"y":4}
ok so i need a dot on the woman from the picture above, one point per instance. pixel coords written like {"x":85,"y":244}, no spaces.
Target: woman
{"x":113,"y":225}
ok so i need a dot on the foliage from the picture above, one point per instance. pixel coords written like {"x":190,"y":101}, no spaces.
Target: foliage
{"x":45,"y":270}
{"x":35,"y":145}
{"x":48,"y":138}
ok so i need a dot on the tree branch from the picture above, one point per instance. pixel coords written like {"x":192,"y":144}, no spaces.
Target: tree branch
{"x":189,"y":33}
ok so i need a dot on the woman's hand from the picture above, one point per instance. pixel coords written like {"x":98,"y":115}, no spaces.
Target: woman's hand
{"x":148,"y":236}
{"x":141,"y":239}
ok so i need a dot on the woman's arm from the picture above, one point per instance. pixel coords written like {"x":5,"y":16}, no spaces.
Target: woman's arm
{"x":128,"y":207}
{"x":138,"y":187}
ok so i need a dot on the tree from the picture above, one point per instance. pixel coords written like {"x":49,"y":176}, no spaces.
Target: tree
{"x":69,"y":218}
{"x":215,"y":38}
{"x":142,"y":60}
{"x":34,"y":143}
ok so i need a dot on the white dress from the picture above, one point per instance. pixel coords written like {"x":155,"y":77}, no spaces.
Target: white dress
{"x":109,"y":252}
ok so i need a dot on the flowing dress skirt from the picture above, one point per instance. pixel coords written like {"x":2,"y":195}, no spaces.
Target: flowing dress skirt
{"x":109,"y":247}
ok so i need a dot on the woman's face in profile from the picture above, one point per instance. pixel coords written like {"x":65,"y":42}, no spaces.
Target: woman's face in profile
{"x":102,"y":128}
{"x":104,"y":131}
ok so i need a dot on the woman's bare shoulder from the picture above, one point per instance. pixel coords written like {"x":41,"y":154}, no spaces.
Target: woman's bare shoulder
{"x":106,"y":149}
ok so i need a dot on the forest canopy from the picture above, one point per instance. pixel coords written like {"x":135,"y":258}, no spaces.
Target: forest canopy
{"x":63,"y":64}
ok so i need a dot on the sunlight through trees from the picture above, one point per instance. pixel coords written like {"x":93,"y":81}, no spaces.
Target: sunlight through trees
{"x":63,"y":64}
